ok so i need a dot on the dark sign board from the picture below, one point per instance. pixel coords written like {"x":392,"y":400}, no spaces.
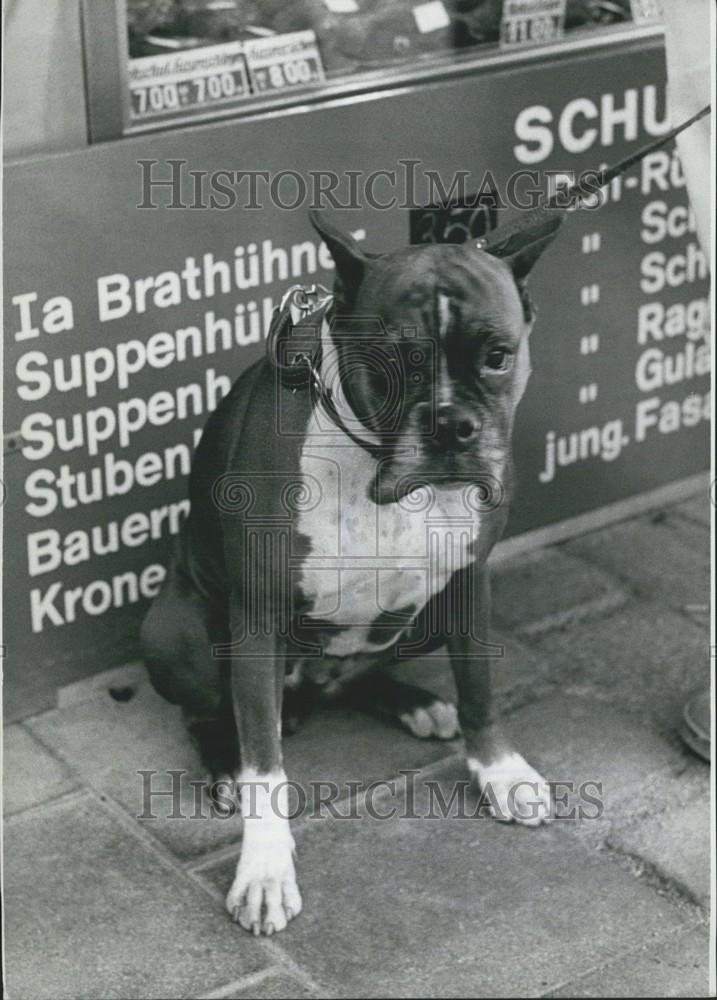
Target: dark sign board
{"x":125,"y":325}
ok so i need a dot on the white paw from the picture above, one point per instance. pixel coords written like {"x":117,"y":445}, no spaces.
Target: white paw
{"x":264,"y":896}
{"x":513,"y":790}
{"x":439,"y":720}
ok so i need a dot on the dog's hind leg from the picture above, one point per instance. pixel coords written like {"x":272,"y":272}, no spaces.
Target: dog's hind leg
{"x":178,"y":638}
{"x":421,"y":712}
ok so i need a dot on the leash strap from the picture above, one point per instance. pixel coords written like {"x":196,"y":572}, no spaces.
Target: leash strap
{"x":302,"y":368}
{"x":301,"y":302}
{"x":496,"y":241}
{"x":609,"y":173}
{"x":326,"y":398}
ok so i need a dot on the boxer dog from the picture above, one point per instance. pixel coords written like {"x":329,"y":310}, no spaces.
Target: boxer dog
{"x":344,"y":498}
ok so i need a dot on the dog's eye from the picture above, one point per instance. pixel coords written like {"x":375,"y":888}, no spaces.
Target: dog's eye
{"x":497,"y":359}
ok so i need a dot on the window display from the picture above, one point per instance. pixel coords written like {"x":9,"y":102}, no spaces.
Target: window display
{"x":351,"y":33}
{"x":180,"y":59}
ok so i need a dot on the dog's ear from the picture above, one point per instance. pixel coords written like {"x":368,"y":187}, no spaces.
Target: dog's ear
{"x":348,"y":257}
{"x":522,"y":248}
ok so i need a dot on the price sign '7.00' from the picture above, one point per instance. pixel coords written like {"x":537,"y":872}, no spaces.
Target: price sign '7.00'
{"x":186,"y":81}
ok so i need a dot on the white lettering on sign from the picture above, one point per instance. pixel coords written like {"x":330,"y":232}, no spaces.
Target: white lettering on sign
{"x":666,"y":418}
{"x":569,"y":131}
{"x":47,"y":550}
{"x":660,"y":271}
{"x":253,"y":265}
{"x":49,"y":491}
{"x":658,"y":322}
{"x":45,"y":374}
{"x":583,"y":122}
{"x":603,"y":442}
{"x":57,"y":315}
{"x":660,"y":222}
{"x":37,"y":375}
{"x":23,"y":303}
{"x":115,"y":300}
{"x":661,"y":171}
{"x":656,"y":369}
{"x":90,"y":430}
{"x":57,"y":606}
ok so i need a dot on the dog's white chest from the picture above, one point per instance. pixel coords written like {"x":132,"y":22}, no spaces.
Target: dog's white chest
{"x":370,"y":564}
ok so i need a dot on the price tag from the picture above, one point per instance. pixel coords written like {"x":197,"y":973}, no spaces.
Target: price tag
{"x":431,"y":16}
{"x":531,"y":22}
{"x":462,"y":220}
{"x":341,"y":6}
{"x":282,"y":62}
{"x":646,"y":11}
{"x":194,"y":79}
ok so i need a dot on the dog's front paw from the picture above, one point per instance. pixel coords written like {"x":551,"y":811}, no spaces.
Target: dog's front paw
{"x":264,"y":896}
{"x":438,"y":720}
{"x":513,"y":790}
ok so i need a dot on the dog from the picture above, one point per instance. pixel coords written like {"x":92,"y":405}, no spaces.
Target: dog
{"x":344,"y":499}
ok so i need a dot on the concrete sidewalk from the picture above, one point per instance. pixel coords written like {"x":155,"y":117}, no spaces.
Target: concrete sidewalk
{"x":604,"y":638}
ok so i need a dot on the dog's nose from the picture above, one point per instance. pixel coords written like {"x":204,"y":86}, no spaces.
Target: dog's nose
{"x":453,"y":427}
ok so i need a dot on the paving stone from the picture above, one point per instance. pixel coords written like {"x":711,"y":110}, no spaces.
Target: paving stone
{"x":612,"y":768}
{"x":517,"y":672}
{"x":614,"y":756}
{"x":31,"y":776}
{"x":677,"y":967}
{"x":119,"y":681}
{"x":424,"y":907}
{"x":577,"y":739}
{"x":279,"y":987}
{"x":344,"y":745}
{"x":549,"y":589}
{"x":696,"y":509}
{"x":644,"y":657}
{"x":27,"y":690}
{"x":107,"y":743}
{"x":91,"y":912}
{"x":676,"y":843}
{"x":458,"y":906}
{"x":663,"y":557}
{"x":341,"y":744}
{"x":338,"y":742}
